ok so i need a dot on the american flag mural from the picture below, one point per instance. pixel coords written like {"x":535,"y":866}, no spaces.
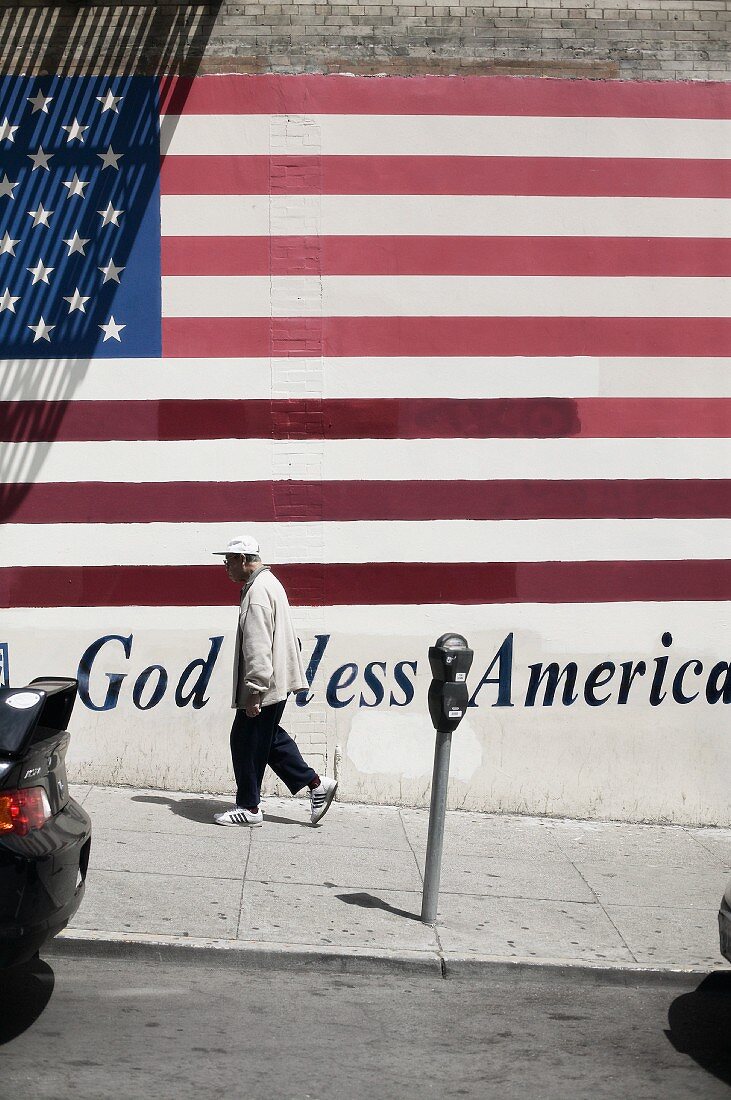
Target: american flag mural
{"x":438,"y":342}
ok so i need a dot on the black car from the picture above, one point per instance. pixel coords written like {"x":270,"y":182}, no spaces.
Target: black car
{"x":45,"y":836}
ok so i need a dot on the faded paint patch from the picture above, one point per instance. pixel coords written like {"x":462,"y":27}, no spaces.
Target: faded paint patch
{"x":404,"y":746}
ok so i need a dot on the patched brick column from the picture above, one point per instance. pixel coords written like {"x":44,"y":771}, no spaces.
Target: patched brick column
{"x":297,"y":388}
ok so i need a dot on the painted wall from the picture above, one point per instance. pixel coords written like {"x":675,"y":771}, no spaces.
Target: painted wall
{"x":365,"y":714}
{"x":495,"y":400}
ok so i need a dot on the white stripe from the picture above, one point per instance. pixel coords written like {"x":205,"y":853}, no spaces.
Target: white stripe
{"x":582,"y":376}
{"x":245,"y":215}
{"x":442,"y":215}
{"x":238,"y":296}
{"x":358,"y":377}
{"x":366,"y":460}
{"x":135,"y":379}
{"x":444,"y":135}
{"x":439,"y":295}
{"x":393,"y":540}
{"x":552,"y":459}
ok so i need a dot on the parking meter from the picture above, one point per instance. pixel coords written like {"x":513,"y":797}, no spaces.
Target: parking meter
{"x":450,"y":660}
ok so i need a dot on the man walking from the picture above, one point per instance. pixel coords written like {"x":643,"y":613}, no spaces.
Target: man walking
{"x":267,"y":667}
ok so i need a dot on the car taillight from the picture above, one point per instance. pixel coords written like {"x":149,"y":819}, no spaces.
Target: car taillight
{"x":23,"y":810}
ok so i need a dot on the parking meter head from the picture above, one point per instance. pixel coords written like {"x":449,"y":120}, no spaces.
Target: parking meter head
{"x":447,"y":705}
{"x":451,"y":641}
{"x":450,"y":659}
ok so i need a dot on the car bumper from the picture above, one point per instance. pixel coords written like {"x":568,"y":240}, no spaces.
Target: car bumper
{"x":724,"y":926}
{"x":42,"y":879}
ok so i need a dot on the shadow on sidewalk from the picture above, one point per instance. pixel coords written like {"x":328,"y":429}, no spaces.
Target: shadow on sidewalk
{"x":370,"y":901}
{"x":700,"y":1025}
{"x":287,"y":820}
{"x":203,"y":809}
{"x":192,"y":809}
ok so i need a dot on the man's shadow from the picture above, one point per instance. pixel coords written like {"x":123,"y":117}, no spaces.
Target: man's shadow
{"x":203,"y":809}
{"x":700,"y":1025}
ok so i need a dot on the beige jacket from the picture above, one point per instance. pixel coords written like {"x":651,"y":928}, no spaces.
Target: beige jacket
{"x":267,"y":657}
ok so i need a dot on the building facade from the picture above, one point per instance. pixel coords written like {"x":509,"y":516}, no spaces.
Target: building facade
{"x":433,"y":301}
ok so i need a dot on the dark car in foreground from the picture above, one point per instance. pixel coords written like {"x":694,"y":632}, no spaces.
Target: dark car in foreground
{"x":724,"y":923}
{"x":45,"y":836}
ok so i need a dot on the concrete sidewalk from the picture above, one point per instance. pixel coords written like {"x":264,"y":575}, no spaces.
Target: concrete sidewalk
{"x":598,"y":895}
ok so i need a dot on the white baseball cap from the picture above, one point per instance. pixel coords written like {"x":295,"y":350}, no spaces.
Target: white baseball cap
{"x":241,"y":544}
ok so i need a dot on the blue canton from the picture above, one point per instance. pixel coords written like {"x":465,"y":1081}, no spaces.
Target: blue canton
{"x":79,"y":218}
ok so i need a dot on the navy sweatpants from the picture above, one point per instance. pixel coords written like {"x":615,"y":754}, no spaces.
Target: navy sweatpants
{"x":256,"y":742}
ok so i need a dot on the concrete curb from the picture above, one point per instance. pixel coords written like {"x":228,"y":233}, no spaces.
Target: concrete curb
{"x":599,"y":971}
{"x":85,"y":943}
{"x":78,"y":942}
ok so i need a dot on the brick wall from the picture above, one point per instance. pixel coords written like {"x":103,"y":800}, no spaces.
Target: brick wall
{"x":605,"y":39}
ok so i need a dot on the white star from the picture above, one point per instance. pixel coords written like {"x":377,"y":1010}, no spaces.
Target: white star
{"x":76,"y":301}
{"x":8,"y":301}
{"x":40,"y":159}
{"x":8,"y":245}
{"x":109,"y":159}
{"x":40,"y":273}
{"x":76,"y":186}
{"x":6,"y":187}
{"x":76,"y":243}
{"x":111,"y":272}
{"x":41,"y":331}
{"x":40,"y":216}
{"x":75,"y":131}
{"x":111,"y":330}
{"x":7,"y":132}
{"x":40,"y":102}
{"x":110,"y":215}
{"x":109,"y":102}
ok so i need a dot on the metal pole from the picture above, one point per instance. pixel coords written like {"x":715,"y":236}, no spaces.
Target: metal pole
{"x":435,"y":839}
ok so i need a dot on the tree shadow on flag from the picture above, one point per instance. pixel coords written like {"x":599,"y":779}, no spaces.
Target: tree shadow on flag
{"x":106,"y":66}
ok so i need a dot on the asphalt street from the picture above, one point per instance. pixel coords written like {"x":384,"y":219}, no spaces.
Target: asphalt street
{"x":96,"y":1028}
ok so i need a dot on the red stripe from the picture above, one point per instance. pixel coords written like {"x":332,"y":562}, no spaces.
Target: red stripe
{"x":368,"y":418}
{"x":231,"y":337}
{"x":385,"y":336}
{"x":609,"y":256}
{"x":651,"y":417}
{"x":475,"y":95}
{"x":328,"y":501}
{"x":441,"y":175}
{"x":379,"y":583}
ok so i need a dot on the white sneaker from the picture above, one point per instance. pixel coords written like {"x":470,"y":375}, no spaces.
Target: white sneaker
{"x":237,"y":815}
{"x":321,"y":798}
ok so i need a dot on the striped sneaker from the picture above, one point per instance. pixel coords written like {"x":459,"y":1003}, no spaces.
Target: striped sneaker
{"x":237,"y":815}
{"x":321,"y":798}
